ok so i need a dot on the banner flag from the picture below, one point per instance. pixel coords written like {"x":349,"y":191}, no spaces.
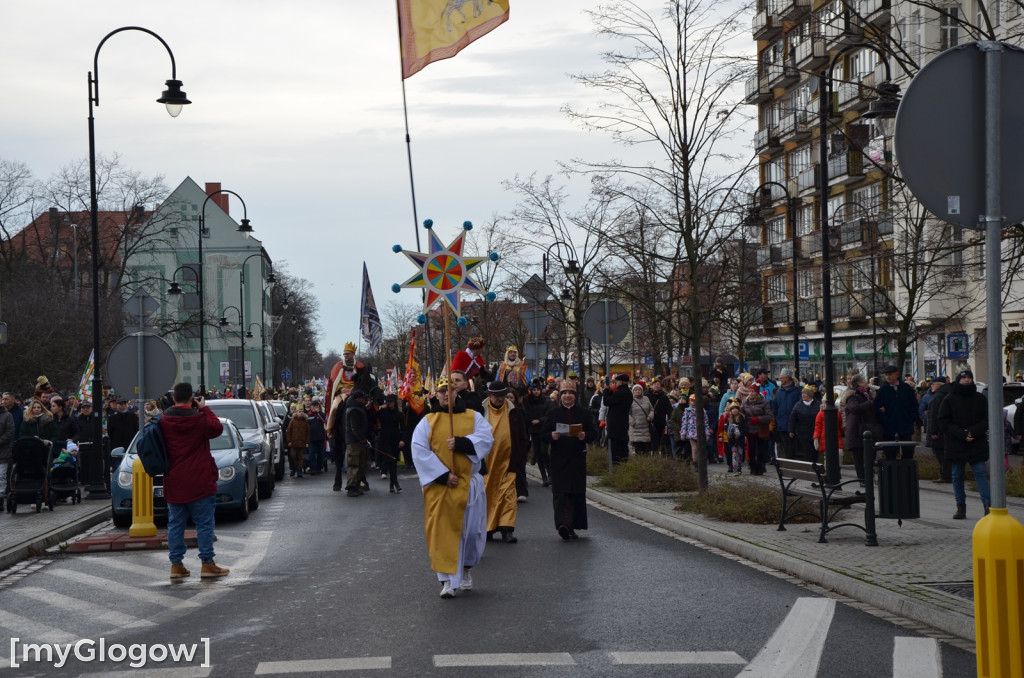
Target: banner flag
{"x":409,"y":390}
{"x":369,"y":318}
{"x":85,"y":387}
{"x":258,"y":388}
{"x":432,"y":30}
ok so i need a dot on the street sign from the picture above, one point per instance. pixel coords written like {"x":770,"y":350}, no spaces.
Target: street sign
{"x":606,"y":322}
{"x":140,"y":305}
{"x":535,"y":351}
{"x":804,"y":350}
{"x":159,"y":366}
{"x":535,"y":291}
{"x":286,"y":374}
{"x":3,"y":333}
{"x":944,"y":169}
{"x":536,"y":321}
{"x":958,"y":346}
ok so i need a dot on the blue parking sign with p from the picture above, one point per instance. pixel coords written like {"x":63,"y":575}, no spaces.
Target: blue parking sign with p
{"x":804,"y":349}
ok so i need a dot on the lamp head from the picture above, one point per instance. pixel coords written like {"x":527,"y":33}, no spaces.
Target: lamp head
{"x":223,"y":321}
{"x":884,"y":108}
{"x":271,"y":279}
{"x":174,"y":289}
{"x":244,"y":227}
{"x":173,"y":98}
{"x":248,"y":334}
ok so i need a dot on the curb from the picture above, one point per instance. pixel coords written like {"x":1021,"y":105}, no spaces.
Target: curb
{"x":29,"y":547}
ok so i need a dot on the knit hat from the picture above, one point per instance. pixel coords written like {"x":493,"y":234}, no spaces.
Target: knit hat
{"x":638,"y":386}
{"x":964,"y":373}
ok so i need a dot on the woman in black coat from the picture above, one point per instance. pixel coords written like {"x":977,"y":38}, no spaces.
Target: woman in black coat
{"x":963,"y":421}
{"x":801,"y":424}
{"x":860,"y":416}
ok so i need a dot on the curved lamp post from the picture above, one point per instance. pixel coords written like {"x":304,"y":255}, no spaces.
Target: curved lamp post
{"x":174,"y":99}
{"x":263,"y":350}
{"x":884,"y":108}
{"x":243,"y":227}
{"x":571,"y":268}
{"x":223,"y":323}
{"x":241,"y":302}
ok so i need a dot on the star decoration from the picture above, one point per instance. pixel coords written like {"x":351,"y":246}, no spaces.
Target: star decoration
{"x":444,"y":272}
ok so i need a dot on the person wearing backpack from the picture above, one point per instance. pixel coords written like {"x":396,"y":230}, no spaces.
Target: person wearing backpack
{"x":190,"y":483}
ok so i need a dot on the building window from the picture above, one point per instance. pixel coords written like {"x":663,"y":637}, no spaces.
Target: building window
{"x":949,"y":27}
{"x":777,"y":288}
{"x":805,"y":284}
{"x":868,"y":200}
{"x":799,"y":160}
{"x":776,"y":229}
{"x":805,"y":220}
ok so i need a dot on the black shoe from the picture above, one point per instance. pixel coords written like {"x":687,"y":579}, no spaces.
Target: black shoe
{"x":508,"y":537}
{"x":573,"y":535}
{"x":336,"y":488}
{"x":546,"y":483}
{"x":353,"y":493}
{"x":292,"y":474}
{"x":398,"y":490}
{"x":565,"y":532}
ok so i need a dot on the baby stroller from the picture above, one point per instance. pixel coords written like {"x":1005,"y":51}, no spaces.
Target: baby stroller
{"x":64,"y":479}
{"x":30,"y":474}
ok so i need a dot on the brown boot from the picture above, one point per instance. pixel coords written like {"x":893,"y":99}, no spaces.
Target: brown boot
{"x":211,"y":570}
{"x":178,"y":571}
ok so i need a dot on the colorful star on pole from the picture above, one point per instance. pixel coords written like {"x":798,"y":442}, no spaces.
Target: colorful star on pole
{"x":444,"y":271}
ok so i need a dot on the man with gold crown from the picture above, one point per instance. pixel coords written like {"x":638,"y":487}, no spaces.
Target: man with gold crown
{"x":347,"y":375}
{"x":512,"y":369}
{"x":448,"y":450}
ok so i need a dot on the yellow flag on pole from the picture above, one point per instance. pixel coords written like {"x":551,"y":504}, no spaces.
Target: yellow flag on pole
{"x":432,"y":30}
{"x":85,"y":386}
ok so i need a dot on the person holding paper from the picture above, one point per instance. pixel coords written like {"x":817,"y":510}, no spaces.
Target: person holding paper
{"x":569,"y":427}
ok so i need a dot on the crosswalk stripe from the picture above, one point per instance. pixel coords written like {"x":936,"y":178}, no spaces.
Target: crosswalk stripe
{"x":676,"y":658}
{"x":136,"y":593}
{"x":323,"y":665}
{"x":174,"y":672}
{"x":916,"y":658}
{"x":95,"y":612}
{"x":159,"y":568}
{"x":508,"y":659}
{"x":794,"y":650}
{"x":33,"y":631}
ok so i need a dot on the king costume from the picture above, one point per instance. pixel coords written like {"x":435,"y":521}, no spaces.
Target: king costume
{"x":454,"y":517}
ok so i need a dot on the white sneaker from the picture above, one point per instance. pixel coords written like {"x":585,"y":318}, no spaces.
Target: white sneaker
{"x":521,"y":499}
{"x":383,"y":476}
{"x":446,"y":591}
{"x":467,"y":580}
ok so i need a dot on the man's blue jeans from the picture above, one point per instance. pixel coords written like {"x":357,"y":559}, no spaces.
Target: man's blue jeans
{"x":201,"y":511}
{"x":980,"y":477}
{"x":315,"y":456}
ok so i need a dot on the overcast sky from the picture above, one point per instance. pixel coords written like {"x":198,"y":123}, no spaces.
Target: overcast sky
{"x":297,"y":106}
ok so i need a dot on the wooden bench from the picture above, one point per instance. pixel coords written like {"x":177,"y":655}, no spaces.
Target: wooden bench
{"x":831,"y":498}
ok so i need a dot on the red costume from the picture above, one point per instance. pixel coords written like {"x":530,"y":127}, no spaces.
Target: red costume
{"x":470,"y":360}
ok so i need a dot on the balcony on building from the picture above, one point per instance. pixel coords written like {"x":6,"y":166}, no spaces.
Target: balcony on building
{"x":782,"y":74}
{"x":807,"y":311}
{"x":781,"y":254}
{"x":846,"y":167}
{"x":780,"y":314}
{"x":810,"y":245}
{"x":851,"y":233}
{"x":874,"y":13}
{"x":840,"y":30}
{"x":856,"y":96}
{"x":811,"y":53}
{"x":794,"y":10}
{"x":794,"y":127}
{"x":807,"y":180}
{"x":840,"y":306}
{"x":766,"y":25}
{"x":767,"y":139}
{"x":764,"y":256}
{"x":758,"y":90}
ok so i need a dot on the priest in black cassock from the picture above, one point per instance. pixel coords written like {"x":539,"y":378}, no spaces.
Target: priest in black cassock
{"x":569,"y":427}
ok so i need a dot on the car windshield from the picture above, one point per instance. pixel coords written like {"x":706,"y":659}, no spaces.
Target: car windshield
{"x":241,"y":414}
{"x":281,"y":409}
{"x":223,"y":441}
{"x":1011,"y":392}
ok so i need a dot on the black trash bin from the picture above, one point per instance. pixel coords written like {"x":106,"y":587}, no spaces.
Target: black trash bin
{"x":899,"y":496}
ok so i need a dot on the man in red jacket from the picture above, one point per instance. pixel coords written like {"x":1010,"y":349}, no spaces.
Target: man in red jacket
{"x":190,"y":484}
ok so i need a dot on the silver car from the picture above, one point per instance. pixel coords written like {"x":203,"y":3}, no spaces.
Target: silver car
{"x":256,"y":428}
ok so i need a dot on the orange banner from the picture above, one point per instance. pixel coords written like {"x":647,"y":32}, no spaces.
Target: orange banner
{"x":432,"y":30}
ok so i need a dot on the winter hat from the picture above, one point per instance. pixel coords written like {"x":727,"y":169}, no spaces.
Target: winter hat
{"x":42,"y":382}
{"x":638,"y":386}
{"x":964,"y":373}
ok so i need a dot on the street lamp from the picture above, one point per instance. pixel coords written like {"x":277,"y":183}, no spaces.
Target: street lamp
{"x":174,"y":99}
{"x":241,"y":337}
{"x":241,"y":302}
{"x":882,"y":109}
{"x":243,"y":227}
{"x":762,"y":195}
{"x":572,"y":270}
{"x":263,"y":350}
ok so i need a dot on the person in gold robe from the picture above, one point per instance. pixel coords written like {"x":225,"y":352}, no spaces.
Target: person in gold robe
{"x":448,"y":450}
{"x":508,"y":453}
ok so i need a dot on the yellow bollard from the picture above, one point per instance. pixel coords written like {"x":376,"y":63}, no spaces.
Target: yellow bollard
{"x":998,"y":544}
{"x":142,"y":502}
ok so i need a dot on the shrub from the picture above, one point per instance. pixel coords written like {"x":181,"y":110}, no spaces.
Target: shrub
{"x":743,"y":500}
{"x":644,"y":473}
{"x":1015,"y":481}
{"x":597,"y":460}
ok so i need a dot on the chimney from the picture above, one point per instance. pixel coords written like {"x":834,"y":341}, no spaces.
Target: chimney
{"x":221,"y":198}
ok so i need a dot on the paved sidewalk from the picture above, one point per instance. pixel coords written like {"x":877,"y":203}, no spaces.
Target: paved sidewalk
{"x":26,"y":532}
{"x":921,"y":571}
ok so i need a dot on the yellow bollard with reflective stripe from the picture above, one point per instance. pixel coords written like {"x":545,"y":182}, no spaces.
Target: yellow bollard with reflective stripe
{"x":142,"y":502}
{"x":998,"y":544}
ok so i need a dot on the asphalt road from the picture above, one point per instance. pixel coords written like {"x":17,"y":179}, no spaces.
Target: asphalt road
{"x":322,"y":584}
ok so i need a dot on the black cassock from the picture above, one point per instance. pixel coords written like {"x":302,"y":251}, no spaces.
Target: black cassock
{"x":569,"y":465}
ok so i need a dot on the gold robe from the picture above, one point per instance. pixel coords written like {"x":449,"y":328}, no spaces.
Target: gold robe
{"x":500,"y":481}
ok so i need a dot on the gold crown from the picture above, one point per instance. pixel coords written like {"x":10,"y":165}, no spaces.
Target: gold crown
{"x":511,"y":348}
{"x":441,"y":382}
{"x":349,"y":347}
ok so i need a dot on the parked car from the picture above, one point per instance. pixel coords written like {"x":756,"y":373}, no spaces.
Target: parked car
{"x":276,"y":436}
{"x":256,"y":428}
{"x":236,"y":478}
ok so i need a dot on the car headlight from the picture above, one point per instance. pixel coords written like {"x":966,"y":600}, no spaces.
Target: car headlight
{"x":226,"y":474}
{"x":124,"y":479}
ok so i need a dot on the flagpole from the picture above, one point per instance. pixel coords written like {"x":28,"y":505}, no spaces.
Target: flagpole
{"x":412,"y":182}
{"x":451,"y":390}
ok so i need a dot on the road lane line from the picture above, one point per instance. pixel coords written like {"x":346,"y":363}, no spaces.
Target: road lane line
{"x":94,"y":612}
{"x":136,"y":593}
{"x":509,"y":659}
{"x":175,"y":672}
{"x":676,"y":658}
{"x":916,"y":658}
{"x":323,"y":665}
{"x":794,"y":650}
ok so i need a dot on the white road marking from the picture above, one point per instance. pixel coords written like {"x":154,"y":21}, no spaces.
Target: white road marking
{"x":175,"y":672}
{"x":676,"y":658}
{"x":916,"y":658}
{"x":323,"y":665}
{"x":794,"y":650}
{"x":123,"y":564}
{"x":32,"y":631}
{"x":498,"y":659}
{"x":95,"y":612}
{"x":136,"y":593}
